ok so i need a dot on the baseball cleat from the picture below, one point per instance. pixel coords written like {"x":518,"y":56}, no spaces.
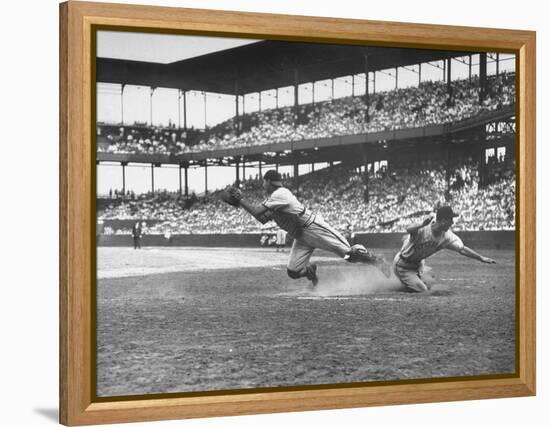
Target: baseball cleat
{"x":311,"y":274}
{"x":358,"y":253}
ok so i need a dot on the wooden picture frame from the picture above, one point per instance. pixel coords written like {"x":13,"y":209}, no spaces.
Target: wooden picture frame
{"x":77,"y":217}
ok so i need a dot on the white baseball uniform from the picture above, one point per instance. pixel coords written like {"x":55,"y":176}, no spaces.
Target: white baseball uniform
{"x":308,"y":230}
{"x":417,"y":247}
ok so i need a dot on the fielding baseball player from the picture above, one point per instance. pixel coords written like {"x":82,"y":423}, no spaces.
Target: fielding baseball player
{"x":308,"y":230}
{"x":424,"y":240}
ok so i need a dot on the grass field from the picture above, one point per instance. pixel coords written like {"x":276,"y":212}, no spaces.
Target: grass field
{"x":197,"y":319}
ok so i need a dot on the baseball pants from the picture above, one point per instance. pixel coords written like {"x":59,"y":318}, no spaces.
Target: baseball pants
{"x":409,"y":275}
{"x":319,"y":235}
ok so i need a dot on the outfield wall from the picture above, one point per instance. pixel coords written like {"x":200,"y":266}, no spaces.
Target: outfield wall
{"x":474,"y":239}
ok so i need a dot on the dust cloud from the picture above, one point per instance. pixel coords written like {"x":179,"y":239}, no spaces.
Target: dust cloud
{"x":353,"y":280}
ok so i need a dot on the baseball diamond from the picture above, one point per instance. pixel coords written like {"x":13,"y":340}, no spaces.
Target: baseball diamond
{"x":169,"y":320}
{"x":252,"y":195}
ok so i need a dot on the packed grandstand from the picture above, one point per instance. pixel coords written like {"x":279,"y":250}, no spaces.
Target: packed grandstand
{"x":396,"y":199}
{"x":398,"y":194}
{"x":420,"y":106}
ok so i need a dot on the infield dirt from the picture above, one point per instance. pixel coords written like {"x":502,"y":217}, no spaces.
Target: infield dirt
{"x":202,"y":319}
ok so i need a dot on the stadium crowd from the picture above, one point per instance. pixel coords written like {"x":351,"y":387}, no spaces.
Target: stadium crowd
{"x":423,"y":105}
{"x":395,"y":199}
{"x":141,"y":138}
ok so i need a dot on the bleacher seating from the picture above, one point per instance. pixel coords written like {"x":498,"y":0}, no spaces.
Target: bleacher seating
{"x":396,"y":199}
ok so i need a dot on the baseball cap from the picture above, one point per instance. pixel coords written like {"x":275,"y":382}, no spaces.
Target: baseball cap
{"x":274,"y":177}
{"x":445,"y":212}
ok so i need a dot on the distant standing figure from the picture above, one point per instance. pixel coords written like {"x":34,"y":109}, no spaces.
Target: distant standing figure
{"x":136,"y":234}
{"x":168,"y":237}
{"x":281,"y":240}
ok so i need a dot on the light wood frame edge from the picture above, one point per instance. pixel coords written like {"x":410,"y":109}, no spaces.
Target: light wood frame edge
{"x":76,"y":406}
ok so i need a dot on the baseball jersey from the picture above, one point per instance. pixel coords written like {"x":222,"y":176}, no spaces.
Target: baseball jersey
{"x":423,"y":244}
{"x":285,"y":209}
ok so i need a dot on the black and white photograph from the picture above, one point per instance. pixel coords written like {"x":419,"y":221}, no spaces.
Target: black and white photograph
{"x":290,"y":214}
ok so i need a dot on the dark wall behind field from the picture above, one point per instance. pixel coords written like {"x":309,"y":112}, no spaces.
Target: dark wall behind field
{"x":474,"y":239}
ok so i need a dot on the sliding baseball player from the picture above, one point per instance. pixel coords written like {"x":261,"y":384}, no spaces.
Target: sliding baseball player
{"x":425,"y":239}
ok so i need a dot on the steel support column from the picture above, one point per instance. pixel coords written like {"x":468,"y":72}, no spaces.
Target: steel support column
{"x":482,"y":76}
{"x":296,"y":172}
{"x":366,"y":174}
{"x":367,"y":100}
{"x":123,"y":164}
{"x":122,"y":104}
{"x":237,"y":172}
{"x":206,"y":177}
{"x":205,"y":112}
{"x":179,"y":115}
{"x":448,"y":161}
{"x":185,"y":110}
{"x":237,"y":120}
{"x":296,"y":82}
{"x":151,"y":104}
{"x":449,"y":88}
{"x":186,"y":167}
{"x":179,"y":170}
{"x":152,"y":178}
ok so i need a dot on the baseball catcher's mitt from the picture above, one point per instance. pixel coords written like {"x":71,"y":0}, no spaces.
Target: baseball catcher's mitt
{"x":232,"y":196}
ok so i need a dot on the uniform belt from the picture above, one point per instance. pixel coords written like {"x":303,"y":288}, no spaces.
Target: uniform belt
{"x":309,"y":220}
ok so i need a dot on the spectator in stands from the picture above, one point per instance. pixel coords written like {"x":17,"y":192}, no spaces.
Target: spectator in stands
{"x":423,"y":105}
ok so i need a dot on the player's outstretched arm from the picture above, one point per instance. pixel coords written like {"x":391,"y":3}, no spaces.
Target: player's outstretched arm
{"x":470,"y":253}
{"x":257,"y":211}
{"x":234,"y":197}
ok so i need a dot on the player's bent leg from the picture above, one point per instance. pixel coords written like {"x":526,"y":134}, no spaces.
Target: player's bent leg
{"x":310,"y":271}
{"x":298,"y":262}
{"x":410,"y":279}
{"x":320,"y":235}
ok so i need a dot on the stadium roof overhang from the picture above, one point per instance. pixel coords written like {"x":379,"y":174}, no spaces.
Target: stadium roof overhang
{"x":263,"y":66}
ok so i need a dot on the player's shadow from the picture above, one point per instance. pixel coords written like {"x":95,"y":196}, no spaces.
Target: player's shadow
{"x":51,"y":414}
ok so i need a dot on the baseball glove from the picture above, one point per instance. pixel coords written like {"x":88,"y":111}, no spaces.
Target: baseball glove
{"x":232,"y":196}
